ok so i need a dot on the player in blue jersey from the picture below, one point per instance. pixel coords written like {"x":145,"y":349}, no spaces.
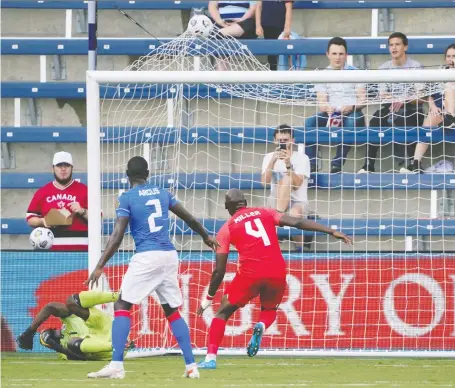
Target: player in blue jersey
{"x":154,"y":267}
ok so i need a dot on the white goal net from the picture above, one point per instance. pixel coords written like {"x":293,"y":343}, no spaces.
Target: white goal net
{"x":204,"y":131}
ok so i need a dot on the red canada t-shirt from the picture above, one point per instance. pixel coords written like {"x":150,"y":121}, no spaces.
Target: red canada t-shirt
{"x":253,"y":232}
{"x":52,"y":196}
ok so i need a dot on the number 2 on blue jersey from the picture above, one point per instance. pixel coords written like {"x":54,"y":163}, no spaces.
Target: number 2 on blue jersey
{"x":156,"y":214}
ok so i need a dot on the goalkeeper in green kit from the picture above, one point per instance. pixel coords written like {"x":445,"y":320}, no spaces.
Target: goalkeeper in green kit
{"x":85,"y":333}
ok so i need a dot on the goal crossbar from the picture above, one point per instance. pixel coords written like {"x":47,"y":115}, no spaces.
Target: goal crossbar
{"x":271,"y":77}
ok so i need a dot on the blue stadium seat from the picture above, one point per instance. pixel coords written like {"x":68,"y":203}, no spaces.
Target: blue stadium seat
{"x":353,"y":227}
{"x":76,"y":90}
{"x":245,"y":181}
{"x":232,"y":135}
{"x":169,"y":5}
{"x":134,"y":46}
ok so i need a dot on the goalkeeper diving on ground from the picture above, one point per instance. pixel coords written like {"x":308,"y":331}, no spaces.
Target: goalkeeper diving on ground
{"x":85,"y":333}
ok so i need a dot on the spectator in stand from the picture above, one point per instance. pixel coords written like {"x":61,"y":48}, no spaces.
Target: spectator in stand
{"x":441,"y":111}
{"x":62,"y":193}
{"x":287,"y":172}
{"x":234,"y":18}
{"x":273,"y":18}
{"x":338,"y":104}
{"x":398,"y":113}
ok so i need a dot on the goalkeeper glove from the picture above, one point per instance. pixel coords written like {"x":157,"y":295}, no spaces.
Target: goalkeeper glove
{"x":25,"y":340}
{"x":48,"y":338}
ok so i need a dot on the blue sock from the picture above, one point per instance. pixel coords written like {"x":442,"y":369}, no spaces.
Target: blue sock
{"x":182,"y":335}
{"x":120,"y":330}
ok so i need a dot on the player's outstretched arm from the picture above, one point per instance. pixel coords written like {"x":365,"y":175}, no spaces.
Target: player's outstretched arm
{"x":59,"y":310}
{"x":304,"y":224}
{"x":195,"y":225}
{"x":215,"y":281}
{"x":111,"y":247}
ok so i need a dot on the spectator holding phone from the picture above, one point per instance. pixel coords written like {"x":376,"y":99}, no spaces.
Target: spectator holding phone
{"x":287,"y":172}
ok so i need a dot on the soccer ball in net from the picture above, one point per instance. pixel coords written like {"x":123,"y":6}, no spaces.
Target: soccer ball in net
{"x":42,"y":238}
{"x":200,"y":25}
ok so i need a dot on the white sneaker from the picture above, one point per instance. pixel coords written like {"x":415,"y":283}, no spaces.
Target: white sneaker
{"x":404,"y":170}
{"x":363,"y":171}
{"x":192,"y":373}
{"x":108,"y":372}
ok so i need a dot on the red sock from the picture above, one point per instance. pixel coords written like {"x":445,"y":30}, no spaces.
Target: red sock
{"x":216,"y":334}
{"x":267,"y":317}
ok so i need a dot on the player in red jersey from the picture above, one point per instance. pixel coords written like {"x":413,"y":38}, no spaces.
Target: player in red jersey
{"x":63,"y":192}
{"x":261,"y":271}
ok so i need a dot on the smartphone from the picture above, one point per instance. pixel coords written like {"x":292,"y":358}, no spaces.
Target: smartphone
{"x":283,"y":146}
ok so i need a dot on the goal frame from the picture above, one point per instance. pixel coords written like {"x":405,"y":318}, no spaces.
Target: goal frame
{"x":95,"y":78}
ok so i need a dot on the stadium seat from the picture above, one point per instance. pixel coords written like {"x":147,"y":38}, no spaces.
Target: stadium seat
{"x":76,"y":90}
{"x":208,"y":181}
{"x":177,"y":5}
{"x":232,"y":135}
{"x":308,"y":46}
{"x":353,"y":227}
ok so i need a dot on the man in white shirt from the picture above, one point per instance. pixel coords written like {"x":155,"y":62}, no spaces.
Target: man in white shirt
{"x":339,"y":104}
{"x":287,"y":172}
{"x":403,"y":111}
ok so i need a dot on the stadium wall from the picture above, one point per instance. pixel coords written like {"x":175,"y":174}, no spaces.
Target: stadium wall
{"x":355,"y":301}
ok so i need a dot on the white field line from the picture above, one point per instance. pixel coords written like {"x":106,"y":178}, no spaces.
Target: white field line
{"x":230,"y":364}
{"x":410,"y":366}
{"x":303,"y":383}
{"x":47,"y":362}
{"x":373,"y":384}
{"x":222,"y":364}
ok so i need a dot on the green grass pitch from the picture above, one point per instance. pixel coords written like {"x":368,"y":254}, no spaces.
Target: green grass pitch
{"x":43,"y":371}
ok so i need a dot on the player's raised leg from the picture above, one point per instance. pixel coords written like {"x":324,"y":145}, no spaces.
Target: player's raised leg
{"x":79,"y":304}
{"x":271,"y":293}
{"x":88,"y":299}
{"x":99,"y":344}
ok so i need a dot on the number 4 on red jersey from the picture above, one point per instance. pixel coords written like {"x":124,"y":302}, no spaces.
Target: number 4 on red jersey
{"x":253,"y":232}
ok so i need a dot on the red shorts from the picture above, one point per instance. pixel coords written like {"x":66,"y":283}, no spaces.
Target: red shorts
{"x":244,"y":288}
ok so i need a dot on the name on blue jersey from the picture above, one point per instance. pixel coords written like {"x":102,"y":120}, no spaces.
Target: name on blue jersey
{"x":146,"y":192}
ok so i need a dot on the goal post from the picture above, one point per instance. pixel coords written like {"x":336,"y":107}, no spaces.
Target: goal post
{"x":130,"y":111}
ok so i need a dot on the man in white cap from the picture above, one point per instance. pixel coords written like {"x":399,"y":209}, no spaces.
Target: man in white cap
{"x":62,"y":193}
